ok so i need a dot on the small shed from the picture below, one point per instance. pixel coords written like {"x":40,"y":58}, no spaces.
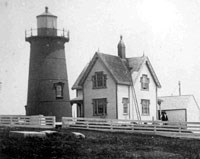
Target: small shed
{"x":180,"y":108}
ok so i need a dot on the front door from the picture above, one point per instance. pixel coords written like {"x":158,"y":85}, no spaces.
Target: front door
{"x":80,"y":110}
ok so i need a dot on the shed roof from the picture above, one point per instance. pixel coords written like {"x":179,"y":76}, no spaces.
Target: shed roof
{"x":177,"y":102}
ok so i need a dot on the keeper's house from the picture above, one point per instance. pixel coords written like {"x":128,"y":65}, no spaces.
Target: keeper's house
{"x":116,"y":87}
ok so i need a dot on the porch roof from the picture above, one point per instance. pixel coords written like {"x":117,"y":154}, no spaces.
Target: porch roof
{"x":78,"y":99}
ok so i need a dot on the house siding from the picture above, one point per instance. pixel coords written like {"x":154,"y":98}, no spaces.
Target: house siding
{"x":193,"y":113}
{"x":123,"y":92}
{"x":79,"y":92}
{"x":144,"y":94}
{"x":109,"y":93}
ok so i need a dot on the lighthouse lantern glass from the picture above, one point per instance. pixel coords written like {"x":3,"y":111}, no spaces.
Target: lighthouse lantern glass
{"x":47,"y":22}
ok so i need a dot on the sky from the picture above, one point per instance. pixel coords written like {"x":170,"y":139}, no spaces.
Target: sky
{"x":167,"y":31}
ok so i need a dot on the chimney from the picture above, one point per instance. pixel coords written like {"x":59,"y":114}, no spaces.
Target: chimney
{"x":121,"y":48}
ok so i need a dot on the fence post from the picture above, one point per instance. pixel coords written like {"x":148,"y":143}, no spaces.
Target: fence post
{"x":39,"y":117}
{"x":87,"y":124}
{"x":54,"y":121}
{"x":11,"y":123}
{"x":132,"y":126}
{"x":179,"y":129}
{"x":111,"y":124}
{"x":154,"y":128}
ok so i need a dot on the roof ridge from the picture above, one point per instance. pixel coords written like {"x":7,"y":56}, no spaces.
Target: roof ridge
{"x":189,"y":95}
{"x":100,"y":53}
{"x":137,"y":57}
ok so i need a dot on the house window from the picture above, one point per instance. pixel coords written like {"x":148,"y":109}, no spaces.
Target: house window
{"x":125,"y":103}
{"x":145,"y":106}
{"x":59,"y":90}
{"x":100,"y":106}
{"x":144,"y":82}
{"x":99,"y":80}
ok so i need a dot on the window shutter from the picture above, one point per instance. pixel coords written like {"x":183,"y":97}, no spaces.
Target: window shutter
{"x":105,"y":106}
{"x":141,"y":79}
{"x":104,"y":80}
{"x":94,"y":81}
{"x":94,"y":107}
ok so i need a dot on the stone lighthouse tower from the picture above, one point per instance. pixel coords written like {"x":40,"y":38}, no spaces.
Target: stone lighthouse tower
{"x":48,"y":92}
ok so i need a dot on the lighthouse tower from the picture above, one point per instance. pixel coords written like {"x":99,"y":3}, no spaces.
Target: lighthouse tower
{"x":48,"y":92}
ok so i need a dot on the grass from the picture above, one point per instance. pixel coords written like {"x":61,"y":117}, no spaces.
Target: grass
{"x":65,"y":145}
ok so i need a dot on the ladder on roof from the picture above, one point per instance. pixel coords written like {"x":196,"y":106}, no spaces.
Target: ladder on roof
{"x":135,"y":101}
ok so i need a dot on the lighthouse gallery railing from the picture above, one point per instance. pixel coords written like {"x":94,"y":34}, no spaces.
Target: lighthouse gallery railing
{"x":34,"y":32}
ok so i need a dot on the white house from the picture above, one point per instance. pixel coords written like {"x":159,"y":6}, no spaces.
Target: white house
{"x":180,"y":108}
{"x":117,"y":87}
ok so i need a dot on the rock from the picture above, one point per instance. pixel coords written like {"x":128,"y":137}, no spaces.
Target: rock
{"x":79,"y":135}
{"x":26,"y":134}
{"x":49,"y":132}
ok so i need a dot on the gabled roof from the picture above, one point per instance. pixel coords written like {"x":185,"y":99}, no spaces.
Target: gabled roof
{"x":113,"y":64}
{"x":120,"y":69}
{"x":177,"y":102}
{"x":76,"y":84}
{"x":117,"y":68}
{"x":136,"y":63}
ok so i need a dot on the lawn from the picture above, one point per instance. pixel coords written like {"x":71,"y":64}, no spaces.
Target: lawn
{"x":65,"y":145}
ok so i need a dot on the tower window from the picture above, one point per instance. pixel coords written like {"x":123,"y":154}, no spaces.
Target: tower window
{"x":59,"y":90}
{"x":99,"y":80}
{"x":144,"y":82}
{"x":100,"y":107}
{"x":145,"y":106}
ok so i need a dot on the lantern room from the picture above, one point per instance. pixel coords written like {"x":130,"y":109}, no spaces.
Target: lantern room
{"x":47,"y":24}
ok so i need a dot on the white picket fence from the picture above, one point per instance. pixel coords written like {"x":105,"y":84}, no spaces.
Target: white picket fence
{"x":157,"y":127}
{"x":38,"y":121}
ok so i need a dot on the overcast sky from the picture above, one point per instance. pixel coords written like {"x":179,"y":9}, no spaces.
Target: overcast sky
{"x":167,"y":31}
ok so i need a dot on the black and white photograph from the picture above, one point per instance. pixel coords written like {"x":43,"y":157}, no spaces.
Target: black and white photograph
{"x":99,"y":79}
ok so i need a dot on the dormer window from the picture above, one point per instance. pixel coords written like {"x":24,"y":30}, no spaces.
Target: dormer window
{"x":144,"y":82}
{"x":99,"y":80}
{"x":59,"y":90}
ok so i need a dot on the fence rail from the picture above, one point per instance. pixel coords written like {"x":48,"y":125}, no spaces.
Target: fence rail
{"x":39,"y":121}
{"x":158,"y":127}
